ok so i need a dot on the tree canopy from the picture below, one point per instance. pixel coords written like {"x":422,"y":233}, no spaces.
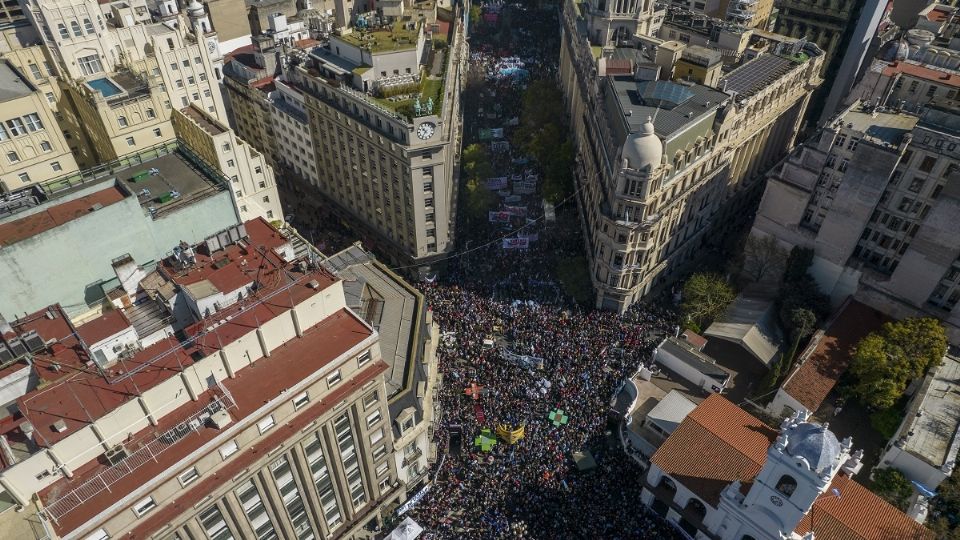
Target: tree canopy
{"x":543,"y":134}
{"x":762,"y":258}
{"x":892,"y":486}
{"x":705,"y":297}
{"x":477,"y":198}
{"x":885,"y":362}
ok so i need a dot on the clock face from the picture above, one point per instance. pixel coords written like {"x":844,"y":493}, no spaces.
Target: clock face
{"x":777,"y":501}
{"x":212,"y":47}
{"x":425,"y":130}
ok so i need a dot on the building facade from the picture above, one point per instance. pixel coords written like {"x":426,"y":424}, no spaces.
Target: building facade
{"x":874,"y":194}
{"x":663,"y":163}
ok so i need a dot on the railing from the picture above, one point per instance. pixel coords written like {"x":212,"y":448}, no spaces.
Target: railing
{"x":143,"y":455}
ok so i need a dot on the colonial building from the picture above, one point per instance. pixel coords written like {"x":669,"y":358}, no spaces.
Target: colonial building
{"x":874,"y":194}
{"x":725,"y":474}
{"x":664,"y":162}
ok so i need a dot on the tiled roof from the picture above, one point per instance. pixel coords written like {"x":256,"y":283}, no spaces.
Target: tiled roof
{"x":818,"y":374}
{"x":14,"y":231}
{"x":112,"y":322}
{"x":858,"y":514}
{"x":922,"y":72}
{"x":715,"y":444}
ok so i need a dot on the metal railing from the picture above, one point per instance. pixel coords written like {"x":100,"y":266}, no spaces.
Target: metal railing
{"x":69,"y":501}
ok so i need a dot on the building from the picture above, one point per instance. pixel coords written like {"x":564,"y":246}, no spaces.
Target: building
{"x":664,"y":163}
{"x":749,"y":328}
{"x":32,"y":146}
{"x":924,"y":447}
{"x":360,"y":126}
{"x":252,"y":402}
{"x":723,"y":473}
{"x":691,"y":364}
{"x":874,"y":195}
{"x":825,"y":359}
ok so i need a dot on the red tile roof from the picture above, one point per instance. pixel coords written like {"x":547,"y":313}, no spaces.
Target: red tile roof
{"x":858,"y":514}
{"x":938,"y":15}
{"x":253,"y":386}
{"x":54,"y":216}
{"x":695,"y":339}
{"x":715,"y":444}
{"x":922,"y":72}
{"x":110,"y":323}
{"x":812,"y":381}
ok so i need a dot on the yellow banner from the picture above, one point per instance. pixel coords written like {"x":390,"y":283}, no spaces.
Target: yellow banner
{"x":510,"y":436}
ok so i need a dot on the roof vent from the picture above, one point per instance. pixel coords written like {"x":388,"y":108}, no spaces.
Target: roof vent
{"x":116,"y":454}
{"x":313,"y":284}
{"x":221,"y":419}
{"x":59,"y":426}
{"x":95,"y":207}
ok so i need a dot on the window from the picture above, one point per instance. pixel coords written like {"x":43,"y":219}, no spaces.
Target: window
{"x":157,"y":132}
{"x":188,"y":476}
{"x":379,"y":452}
{"x":88,"y":26}
{"x":928,"y":163}
{"x":174,"y":66}
{"x":51,"y":99}
{"x":786,"y":485}
{"x":226,"y":147}
{"x":186,"y":63}
{"x":333,"y":379}
{"x":363,"y":358}
{"x":258,"y":169}
{"x":229,"y":449}
{"x":321,"y":478}
{"x":230,"y":163}
{"x":265,"y":424}
{"x":196,"y":96}
{"x":16,"y":127}
{"x":151,"y":114}
{"x":75,"y":26}
{"x":143,"y":506}
{"x":292,"y":502}
{"x":122,"y":120}
{"x":916,"y":184}
{"x":179,"y":83}
{"x":203,"y":76}
{"x":35,"y":71}
{"x":370,"y":400}
{"x":214,"y":525}
{"x":376,"y":436}
{"x":382,"y":468}
{"x":55,"y":165}
{"x":262,"y":184}
{"x":931,"y":90}
{"x":197,"y":60}
{"x":45,"y":146}
{"x":373,"y":418}
{"x":913,"y":86}
{"x":428,"y":202}
{"x":300,"y":400}
{"x":90,"y":64}
{"x":24,"y":177}
{"x":131,"y":141}
{"x":266,"y":199}
{"x":256,"y":513}
{"x":13,"y":157}
{"x":33,"y":122}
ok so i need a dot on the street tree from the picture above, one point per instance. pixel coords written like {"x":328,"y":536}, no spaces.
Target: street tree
{"x":763,"y":258}
{"x":705,"y":297}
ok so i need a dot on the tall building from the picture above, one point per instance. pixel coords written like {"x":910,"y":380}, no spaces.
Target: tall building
{"x":664,"y":162}
{"x":875,"y":195}
{"x":362,"y":123}
{"x":227,"y":390}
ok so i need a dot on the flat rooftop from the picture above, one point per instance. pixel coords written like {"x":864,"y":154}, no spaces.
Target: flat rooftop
{"x":203,"y":120}
{"x":12,"y":85}
{"x":671,"y":105}
{"x":883,"y":127}
{"x":757,"y":74}
{"x":387,"y":39}
{"x":936,"y":416}
{"x":160,"y":184}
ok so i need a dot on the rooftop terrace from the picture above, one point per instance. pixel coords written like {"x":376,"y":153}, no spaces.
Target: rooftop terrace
{"x":934,"y":416}
{"x":671,"y":105}
{"x":12,"y":85}
{"x":397,"y":37}
{"x":882,"y":127}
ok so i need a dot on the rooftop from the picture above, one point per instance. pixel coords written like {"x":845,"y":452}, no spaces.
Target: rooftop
{"x":884,"y":127}
{"x":751,"y":323}
{"x":715,"y":444}
{"x":671,"y":410}
{"x":395,"y":37}
{"x":694,"y":358}
{"x":757,"y":74}
{"x":53,"y":215}
{"x":826,"y":358}
{"x":923,"y":71}
{"x":208,"y":124}
{"x":935,"y":412}
{"x":12,"y":84}
{"x":671,"y":105}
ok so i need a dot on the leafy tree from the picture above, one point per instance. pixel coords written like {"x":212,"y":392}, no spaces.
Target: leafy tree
{"x":705,"y":297}
{"x":475,"y":161}
{"x":801,"y":322}
{"x":479,"y":200}
{"x":885,"y":362}
{"x":798,"y":262}
{"x":763,"y":257}
{"x":892,"y":486}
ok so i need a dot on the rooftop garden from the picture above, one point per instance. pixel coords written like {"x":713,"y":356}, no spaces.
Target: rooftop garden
{"x":402,"y":99}
{"x":384,"y":39}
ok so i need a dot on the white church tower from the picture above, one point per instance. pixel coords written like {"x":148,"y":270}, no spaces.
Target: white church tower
{"x":203,"y":29}
{"x":616,"y":22}
{"x":800,"y":468}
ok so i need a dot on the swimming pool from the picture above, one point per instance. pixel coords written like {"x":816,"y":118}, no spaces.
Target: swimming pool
{"x":105,"y":86}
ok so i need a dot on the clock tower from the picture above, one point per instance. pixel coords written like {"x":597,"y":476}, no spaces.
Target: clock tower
{"x":426,"y":129}
{"x":206,"y":35}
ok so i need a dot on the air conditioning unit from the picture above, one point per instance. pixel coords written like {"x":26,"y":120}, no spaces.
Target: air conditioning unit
{"x":116,"y":454}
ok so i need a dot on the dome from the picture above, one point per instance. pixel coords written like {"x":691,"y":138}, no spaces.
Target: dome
{"x":195,"y":8}
{"x":643,"y":148}
{"x":814,"y":443}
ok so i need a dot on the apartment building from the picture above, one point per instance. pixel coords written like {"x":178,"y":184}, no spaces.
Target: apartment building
{"x":665,"y":164}
{"x":362,"y":127}
{"x":252,"y":402}
{"x":874,"y":194}
{"x":32,"y":146}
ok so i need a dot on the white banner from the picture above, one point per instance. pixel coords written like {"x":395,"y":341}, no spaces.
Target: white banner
{"x":413,"y":500}
{"x":516,"y":243}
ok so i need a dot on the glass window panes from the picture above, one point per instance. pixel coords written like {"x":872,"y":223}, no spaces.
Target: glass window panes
{"x":313,"y":449}
{"x":287,"y":486}
{"x":348,"y":456}
{"x":256,"y":513}
{"x":214,"y":525}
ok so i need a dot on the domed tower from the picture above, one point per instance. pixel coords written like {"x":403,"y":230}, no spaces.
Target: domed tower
{"x":800,"y":467}
{"x":200,"y":23}
{"x":640,"y":158}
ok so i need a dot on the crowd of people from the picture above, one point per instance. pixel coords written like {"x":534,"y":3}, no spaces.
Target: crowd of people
{"x":516,"y":352}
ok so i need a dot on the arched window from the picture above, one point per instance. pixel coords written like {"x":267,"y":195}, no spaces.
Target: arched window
{"x":696,"y":507}
{"x":667,"y":483}
{"x":786,"y":485}
{"x":75,"y":26}
{"x":88,"y":26}
{"x":62,"y":28}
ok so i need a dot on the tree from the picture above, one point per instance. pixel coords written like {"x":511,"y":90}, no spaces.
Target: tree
{"x":892,"y":486}
{"x":798,"y":262}
{"x":705,"y":297}
{"x":479,"y":200}
{"x":762,"y":258}
{"x":885,"y":362}
{"x":801,"y":322}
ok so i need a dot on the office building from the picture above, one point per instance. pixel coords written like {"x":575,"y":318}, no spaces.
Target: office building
{"x":666,"y":164}
{"x":361,"y":126}
{"x":874,"y":195}
{"x":227,"y":390}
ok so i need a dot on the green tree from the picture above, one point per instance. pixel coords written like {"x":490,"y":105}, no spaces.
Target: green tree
{"x":475,"y":161}
{"x":798,"y":262}
{"x":885,"y":362}
{"x":892,"y":486}
{"x":763,"y":257}
{"x":801,"y":322}
{"x":705,"y":297}
{"x":479,"y":200}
